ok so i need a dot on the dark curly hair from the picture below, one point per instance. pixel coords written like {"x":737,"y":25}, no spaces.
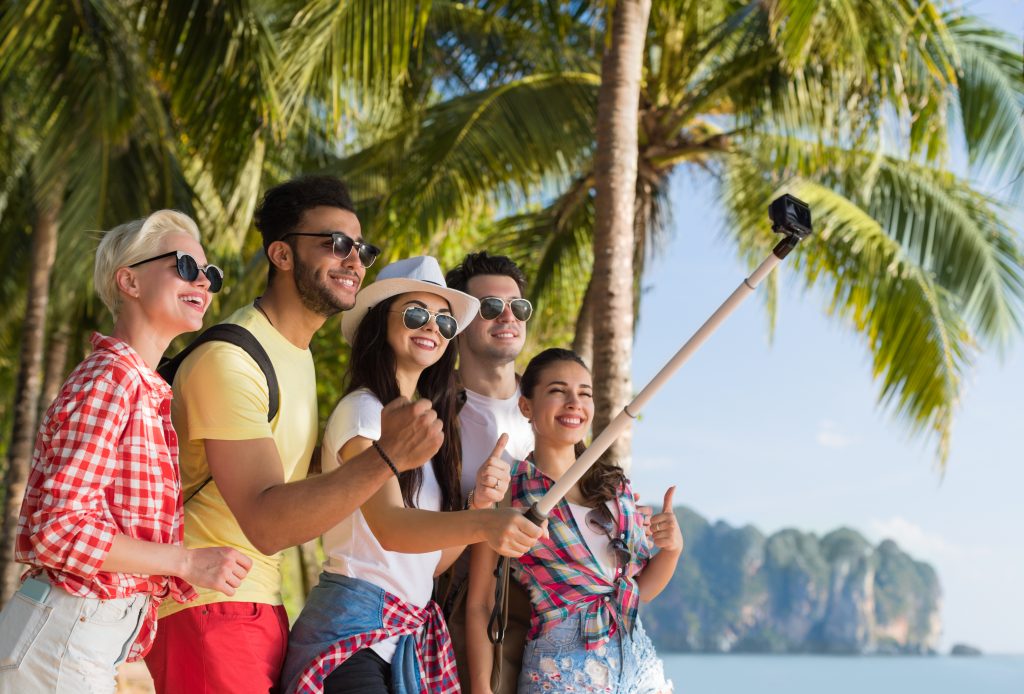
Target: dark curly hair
{"x":483,"y":264}
{"x":372,"y":366}
{"x":282,"y":206}
{"x":604,"y":480}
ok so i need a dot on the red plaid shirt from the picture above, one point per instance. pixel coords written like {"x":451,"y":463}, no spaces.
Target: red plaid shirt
{"x":438,"y":674}
{"x":563,"y":576}
{"x":105,"y":462}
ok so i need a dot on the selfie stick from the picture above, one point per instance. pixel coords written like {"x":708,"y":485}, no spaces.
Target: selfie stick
{"x":790,"y":217}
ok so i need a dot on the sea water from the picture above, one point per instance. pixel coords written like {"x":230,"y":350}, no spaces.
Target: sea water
{"x":793,"y":674}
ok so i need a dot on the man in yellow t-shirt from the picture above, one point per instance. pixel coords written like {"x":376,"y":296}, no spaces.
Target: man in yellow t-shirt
{"x":244,"y":477}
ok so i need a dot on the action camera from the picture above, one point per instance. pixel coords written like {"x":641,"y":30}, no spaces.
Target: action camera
{"x":790,"y":216}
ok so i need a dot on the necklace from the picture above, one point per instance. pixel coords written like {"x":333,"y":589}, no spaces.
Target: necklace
{"x":257,"y":304}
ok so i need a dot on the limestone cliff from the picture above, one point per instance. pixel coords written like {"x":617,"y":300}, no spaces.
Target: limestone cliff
{"x":737,"y":591}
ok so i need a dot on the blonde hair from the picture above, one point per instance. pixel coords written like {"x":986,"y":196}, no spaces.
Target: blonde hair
{"x":131,"y":242}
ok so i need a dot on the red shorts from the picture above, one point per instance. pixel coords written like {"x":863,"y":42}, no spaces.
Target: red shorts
{"x":219,"y":648}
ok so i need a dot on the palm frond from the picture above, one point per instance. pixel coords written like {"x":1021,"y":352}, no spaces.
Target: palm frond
{"x":918,"y":263}
{"x":920,"y":343}
{"x":990,"y":89}
{"x":495,"y":147}
{"x":350,"y":56}
{"x":941,"y":223}
{"x":554,"y":246}
{"x":216,"y":64}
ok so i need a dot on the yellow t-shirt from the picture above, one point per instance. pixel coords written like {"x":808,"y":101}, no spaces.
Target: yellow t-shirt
{"x":221,"y":393}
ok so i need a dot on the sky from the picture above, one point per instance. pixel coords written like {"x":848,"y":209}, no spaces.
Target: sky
{"x":788,"y":432}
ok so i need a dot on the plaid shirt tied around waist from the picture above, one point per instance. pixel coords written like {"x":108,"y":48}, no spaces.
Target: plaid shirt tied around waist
{"x":433,"y":645}
{"x":105,"y":463}
{"x":563,"y":576}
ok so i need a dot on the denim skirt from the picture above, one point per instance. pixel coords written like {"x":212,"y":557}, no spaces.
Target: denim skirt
{"x":558,"y":661}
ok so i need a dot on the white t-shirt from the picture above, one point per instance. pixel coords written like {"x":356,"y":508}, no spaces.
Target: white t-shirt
{"x":482,"y":421}
{"x":350,"y":547}
{"x":598,"y":542}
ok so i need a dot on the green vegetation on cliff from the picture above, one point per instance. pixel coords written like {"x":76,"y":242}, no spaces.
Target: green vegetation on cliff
{"x":737,"y":591}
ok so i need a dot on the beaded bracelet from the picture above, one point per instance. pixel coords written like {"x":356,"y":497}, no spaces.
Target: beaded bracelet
{"x":384,"y":457}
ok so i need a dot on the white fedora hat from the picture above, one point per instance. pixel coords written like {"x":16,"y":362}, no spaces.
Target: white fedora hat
{"x":419,"y":274}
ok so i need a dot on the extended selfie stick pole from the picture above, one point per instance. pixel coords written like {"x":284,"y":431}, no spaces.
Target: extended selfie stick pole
{"x":790,"y":217}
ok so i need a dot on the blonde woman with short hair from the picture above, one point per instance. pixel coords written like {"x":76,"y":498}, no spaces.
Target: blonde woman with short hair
{"x":100,"y":526}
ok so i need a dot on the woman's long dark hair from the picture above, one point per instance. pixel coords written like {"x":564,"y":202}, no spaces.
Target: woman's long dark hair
{"x":372,"y":366}
{"x":604,"y":479}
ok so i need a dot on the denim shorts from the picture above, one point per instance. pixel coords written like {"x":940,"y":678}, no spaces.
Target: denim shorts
{"x":65,"y":643}
{"x":558,"y":661}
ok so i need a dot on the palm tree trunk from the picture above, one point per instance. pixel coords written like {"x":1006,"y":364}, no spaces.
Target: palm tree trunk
{"x":618,"y":104}
{"x":583,"y":340}
{"x":44,"y":249}
{"x":56,"y":360}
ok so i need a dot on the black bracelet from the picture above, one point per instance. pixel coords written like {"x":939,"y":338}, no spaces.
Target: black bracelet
{"x":384,"y":457}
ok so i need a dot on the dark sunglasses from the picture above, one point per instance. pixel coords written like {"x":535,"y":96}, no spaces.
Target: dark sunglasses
{"x":415,"y":317}
{"x":342,"y":245}
{"x":492,"y":306}
{"x":600,"y":520}
{"x":188,"y":269}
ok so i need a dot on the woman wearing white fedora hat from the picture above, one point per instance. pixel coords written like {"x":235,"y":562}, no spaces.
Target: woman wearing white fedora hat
{"x":369,"y":625}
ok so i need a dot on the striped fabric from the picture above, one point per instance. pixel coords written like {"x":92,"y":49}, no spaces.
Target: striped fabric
{"x":563,"y":576}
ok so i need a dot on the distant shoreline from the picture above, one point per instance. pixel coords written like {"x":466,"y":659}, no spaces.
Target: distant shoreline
{"x":838,"y":656}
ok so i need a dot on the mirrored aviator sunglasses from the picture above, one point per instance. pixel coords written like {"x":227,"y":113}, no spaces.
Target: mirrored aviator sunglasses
{"x":188,"y":269}
{"x":415,"y":317}
{"x":492,"y":306}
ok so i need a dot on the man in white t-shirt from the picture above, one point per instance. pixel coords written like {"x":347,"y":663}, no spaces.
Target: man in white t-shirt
{"x":488,"y":348}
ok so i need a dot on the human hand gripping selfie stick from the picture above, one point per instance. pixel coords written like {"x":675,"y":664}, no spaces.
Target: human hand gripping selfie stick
{"x":789,"y":216}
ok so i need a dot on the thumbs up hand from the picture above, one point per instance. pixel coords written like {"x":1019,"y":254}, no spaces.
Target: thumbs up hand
{"x":665,"y":533}
{"x":492,"y":478}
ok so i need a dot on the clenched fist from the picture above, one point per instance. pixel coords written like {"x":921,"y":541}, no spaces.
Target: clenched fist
{"x":219,"y":568}
{"x":410,"y":433}
{"x":509,"y":533}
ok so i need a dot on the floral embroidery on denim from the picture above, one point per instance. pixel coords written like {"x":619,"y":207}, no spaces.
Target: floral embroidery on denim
{"x":559,"y":661}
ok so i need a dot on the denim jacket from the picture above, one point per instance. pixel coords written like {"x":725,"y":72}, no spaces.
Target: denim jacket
{"x":343,"y":615}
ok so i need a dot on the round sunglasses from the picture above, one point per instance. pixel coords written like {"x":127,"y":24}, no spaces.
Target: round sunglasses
{"x":342,"y":245}
{"x":492,"y":306}
{"x":188,"y":269}
{"x":415,"y":317}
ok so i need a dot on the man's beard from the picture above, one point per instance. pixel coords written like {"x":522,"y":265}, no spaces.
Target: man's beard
{"x":499,"y":355}
{"x":314,"y":292}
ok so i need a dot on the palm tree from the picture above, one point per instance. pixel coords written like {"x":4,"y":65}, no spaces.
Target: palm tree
{"x":115,"y":108}
{"x":852,"y":106}
{"x":96,"y":143}
{"x":80,"y":92}
{"x":615,"y":177}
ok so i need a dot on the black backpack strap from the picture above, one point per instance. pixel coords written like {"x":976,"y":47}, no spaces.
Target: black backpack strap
{"x":240,"y":337}
{"x":198,"y":489}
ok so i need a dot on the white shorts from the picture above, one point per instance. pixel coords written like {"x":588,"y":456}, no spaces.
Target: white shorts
{"x":66,"y":643}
